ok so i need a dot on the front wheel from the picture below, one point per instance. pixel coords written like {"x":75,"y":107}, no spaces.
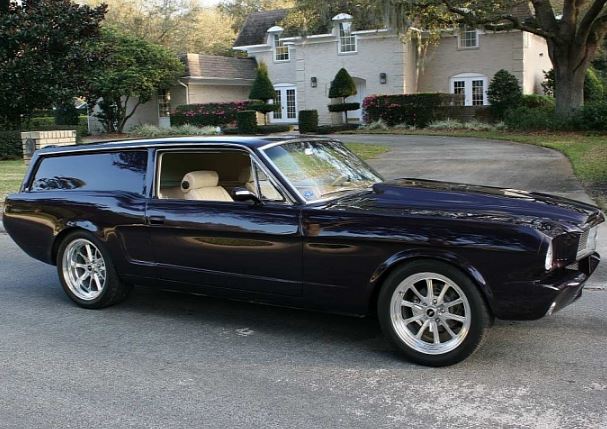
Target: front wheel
{"x":86,"y":272}
{"x":432,"y":313}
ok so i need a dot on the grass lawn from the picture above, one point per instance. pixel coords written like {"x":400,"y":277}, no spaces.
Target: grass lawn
{"x":11,"y":175}
{"x":587,"y":153}
{"x":11,"y":172}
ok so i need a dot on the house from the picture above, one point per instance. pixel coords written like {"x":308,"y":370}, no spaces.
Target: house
{"x":463,"y":61}
{"x":207,"y":79}
{"x":301,"y":68}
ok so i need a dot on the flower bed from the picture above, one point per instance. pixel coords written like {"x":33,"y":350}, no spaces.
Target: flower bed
{"x":208,"y":114}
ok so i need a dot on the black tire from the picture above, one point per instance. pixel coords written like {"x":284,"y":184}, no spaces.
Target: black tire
{"x":114,"y":289}
{"x":480,"y":318}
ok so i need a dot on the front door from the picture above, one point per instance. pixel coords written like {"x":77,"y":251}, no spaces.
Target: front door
{"x":286,"y":97}
{"x":201,"y":237}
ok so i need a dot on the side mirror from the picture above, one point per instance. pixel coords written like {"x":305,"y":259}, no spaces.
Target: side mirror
{"x":243,"y":195}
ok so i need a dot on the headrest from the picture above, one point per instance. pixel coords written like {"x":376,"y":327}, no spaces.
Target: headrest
{"x":199,"y":179}
{"x":245,"y":175}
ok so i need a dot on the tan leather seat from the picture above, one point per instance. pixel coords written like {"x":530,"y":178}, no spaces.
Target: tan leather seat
{"x":171,"y":193}
{"x":268,"y":191}
{"x":203,"y":186}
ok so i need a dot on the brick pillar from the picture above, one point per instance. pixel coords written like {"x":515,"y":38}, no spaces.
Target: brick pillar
{"x":34,"y":140}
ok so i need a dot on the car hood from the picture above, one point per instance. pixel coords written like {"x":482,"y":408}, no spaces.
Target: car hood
{"x":456,"y":200}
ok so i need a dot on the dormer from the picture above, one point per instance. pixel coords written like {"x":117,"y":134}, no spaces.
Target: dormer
{"x":279,"y":48}
{"x":342,"y":28}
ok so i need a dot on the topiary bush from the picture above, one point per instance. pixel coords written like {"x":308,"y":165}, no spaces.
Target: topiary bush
{"x":342,"y":86}
{"x":504,"y":93}
{"x":409,"y":109}
{"x":247,"y":121}
{"x":308,"y":121}
{"x":343,"y":107}
{"x":10,"y":145}
{"x":263,"y":91}
{"x":208,"y":114}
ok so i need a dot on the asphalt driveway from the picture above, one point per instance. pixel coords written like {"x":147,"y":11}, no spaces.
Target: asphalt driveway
{"x":164,"y":360}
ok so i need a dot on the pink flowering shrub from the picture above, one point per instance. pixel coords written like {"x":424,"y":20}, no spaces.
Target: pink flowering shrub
{"x":411,"y":109}
{"x":215,"y":114}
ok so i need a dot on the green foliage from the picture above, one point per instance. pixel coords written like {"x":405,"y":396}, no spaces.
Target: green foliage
{"x":342,"y":85}
{"x":134,"y":70}
{"x":262,"y":88}
{"x":150,"y":131}
{"x":410,"y":109}
{"x":330,"y":129}
{"x":67,"y":114}
{"x":264,"y":107}
{"x":592,"y":117}
{"x":343,"y":107}
{"x":538,"y":101}
{"x":46,"y":54}
{"x":201,"y":115}
{"x":308,"y":121}
{"x":247,"y":121}
{"x":594,"y":88}
{"x":504,"y":93}
{"x":273,"y":128}
{"x":10,"y":145}
{"x":534,"y":119}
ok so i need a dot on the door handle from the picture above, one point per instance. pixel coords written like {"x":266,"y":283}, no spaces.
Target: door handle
{"x":156,"y":220}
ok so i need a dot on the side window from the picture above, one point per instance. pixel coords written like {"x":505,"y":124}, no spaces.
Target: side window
{"x":111,"y":171}
{"x":210,"y":175}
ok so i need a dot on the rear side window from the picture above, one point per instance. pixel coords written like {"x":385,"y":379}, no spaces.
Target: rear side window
{"x":112,"y":171}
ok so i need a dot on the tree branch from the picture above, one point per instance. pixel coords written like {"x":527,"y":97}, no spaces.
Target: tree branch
{"x":589,"y":20}
{"x":127,"y":117}
{"x":545,"y":15}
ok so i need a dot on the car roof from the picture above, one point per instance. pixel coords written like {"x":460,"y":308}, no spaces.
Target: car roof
{"x":250,"y":142}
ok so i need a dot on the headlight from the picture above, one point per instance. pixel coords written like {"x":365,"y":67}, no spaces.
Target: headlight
{"x":549,"y":257}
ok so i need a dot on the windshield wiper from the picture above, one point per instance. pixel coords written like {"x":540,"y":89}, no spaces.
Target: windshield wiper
{"x":337,"y":191}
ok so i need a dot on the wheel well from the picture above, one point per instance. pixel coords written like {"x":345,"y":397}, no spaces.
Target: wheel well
{"x":380,"y":281}
{"x":58,"y":240}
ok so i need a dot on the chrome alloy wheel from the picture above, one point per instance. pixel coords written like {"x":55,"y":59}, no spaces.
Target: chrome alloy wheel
{"x":430,"y":313}
{"x":84,"y":269}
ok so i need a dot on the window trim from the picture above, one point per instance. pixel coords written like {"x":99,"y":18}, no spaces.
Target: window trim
{"x":159,"y":152}
{"x":340,"y":43}
{"x":468,"y":78}
{"x":460,"y":38}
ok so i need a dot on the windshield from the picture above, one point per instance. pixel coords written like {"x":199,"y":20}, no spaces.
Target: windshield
{"x":321,"y":169}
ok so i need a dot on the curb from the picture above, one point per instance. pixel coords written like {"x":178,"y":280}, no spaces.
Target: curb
{"x":2,"y":230}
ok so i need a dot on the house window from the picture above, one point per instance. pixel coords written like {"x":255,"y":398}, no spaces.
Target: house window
{"x":281,"y":51}
{"x":164,"y":103}
{"x":468,"y":37}
{"x":347,"y":41}
{"x":472,"y":88}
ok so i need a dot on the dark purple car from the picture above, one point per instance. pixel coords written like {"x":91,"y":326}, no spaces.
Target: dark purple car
{"x":303,"y":222}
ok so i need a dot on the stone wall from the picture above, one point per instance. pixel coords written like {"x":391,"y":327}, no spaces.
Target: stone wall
{"x":34,"y":140}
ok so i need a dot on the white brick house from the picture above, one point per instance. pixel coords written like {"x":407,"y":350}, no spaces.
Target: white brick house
{"x":301,"y":68}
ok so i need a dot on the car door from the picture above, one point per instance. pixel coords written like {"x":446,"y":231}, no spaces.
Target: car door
{"x":226,"y":244}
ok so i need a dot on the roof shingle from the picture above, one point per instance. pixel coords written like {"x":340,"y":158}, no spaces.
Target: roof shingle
{"x":253,"y":31}
{"x":212,"y":66}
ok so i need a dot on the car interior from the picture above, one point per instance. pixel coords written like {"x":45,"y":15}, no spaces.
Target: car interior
{"x":212,"y":176}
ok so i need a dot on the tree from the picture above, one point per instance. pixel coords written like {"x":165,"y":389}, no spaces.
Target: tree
{"x":593,"y":86}
{"x":263,"y":91}
{"x":46,"y":54}
{"x":504,"y":93}
{"x":134,"y":71}
{"x":573,"y":34}
{"x":179,"y":25}
{"x":343,"y":86}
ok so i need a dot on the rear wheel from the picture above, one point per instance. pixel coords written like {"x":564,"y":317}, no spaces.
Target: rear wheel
{"x":432,"y":313}
{"x":86,"y":272}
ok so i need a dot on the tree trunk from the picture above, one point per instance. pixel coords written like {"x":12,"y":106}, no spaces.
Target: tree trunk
{"x":568,"y":89}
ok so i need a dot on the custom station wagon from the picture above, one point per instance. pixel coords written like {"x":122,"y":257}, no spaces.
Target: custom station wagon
{"x":303,"y":222}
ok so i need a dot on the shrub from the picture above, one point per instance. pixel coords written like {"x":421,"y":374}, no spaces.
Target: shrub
{"x":592,"y":117}
{"x":329,"y":129}
{"x":247,"y":121}
{"x":594,"y":88}
{"x":534,"y":101}
{"x":308,"y":121}
{"x":149,"y":131}
{"x":527,"y":119}
{"x":504,"y":93}
{"x":377,"y":125}
{"x":411,"y":109}
{"x":262,"y":88}
{"x":343,"y":107}
{"x":201,"y":115}
{"x":67,"y":114}
{"x":10,"y":145}
{"x":446,"y":124}
{"x":273,"y":128}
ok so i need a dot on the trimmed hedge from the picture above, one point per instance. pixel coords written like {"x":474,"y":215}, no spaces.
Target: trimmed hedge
{"x":330,"y":129}
{"x":343,"y":107}
{"x":10,"y":145}
{"x":247,"y":121}
{"x":410,"y":109}
{"x":214,"y":114}
{"x":308,"y":121}
{"x":273,"y":128}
